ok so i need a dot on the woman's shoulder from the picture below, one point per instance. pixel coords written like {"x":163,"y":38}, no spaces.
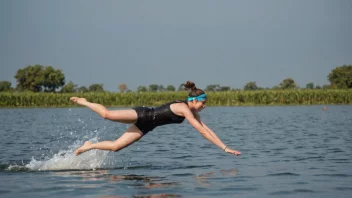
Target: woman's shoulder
{"x":176,"y":102}
{"x":180,"y":101}
{"x":179,"y":108}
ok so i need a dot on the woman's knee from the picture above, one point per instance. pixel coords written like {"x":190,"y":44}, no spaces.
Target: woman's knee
{"x":107,"y":115}
{"x":104,"y":114}
{"x":115,"y":148}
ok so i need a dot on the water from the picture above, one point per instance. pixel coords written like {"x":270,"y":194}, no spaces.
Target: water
{"x":291,"y":151}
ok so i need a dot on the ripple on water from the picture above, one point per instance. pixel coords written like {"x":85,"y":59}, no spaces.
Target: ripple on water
{"x":289,"y":192}
{"x":334,"y":175}
{"x":157,"y":195}
{"x":285,"y":154}
{"x":183,"y":174}
{"x":283,"y":174}
{"x":239,"y":189}
{"x":183,"y":157}
{"x":344,"y":188}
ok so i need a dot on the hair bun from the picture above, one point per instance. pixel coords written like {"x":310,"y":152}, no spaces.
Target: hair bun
{"x":190,"y":85}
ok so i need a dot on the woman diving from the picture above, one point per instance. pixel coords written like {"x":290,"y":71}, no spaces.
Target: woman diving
{"x":144,"y":119}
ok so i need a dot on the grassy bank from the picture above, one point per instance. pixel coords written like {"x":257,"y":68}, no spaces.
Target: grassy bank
{"x":237,"y":98}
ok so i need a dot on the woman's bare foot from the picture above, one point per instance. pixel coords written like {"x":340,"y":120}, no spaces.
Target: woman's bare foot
{"x":86,"y":147}
{"x":80,"y":101}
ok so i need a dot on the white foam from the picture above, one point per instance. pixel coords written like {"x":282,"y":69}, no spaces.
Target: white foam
{"x":67,"y":160}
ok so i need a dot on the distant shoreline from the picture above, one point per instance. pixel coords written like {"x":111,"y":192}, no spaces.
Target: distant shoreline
{"x":230,"y":98}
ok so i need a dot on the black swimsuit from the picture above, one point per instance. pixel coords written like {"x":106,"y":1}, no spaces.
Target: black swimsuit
{"x":149,"y":118}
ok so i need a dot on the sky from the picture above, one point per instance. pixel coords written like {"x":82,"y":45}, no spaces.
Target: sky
{"x":225,"y":42}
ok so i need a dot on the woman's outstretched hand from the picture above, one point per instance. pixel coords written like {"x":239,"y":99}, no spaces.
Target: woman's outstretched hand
{"x":228,"y":150}
{"x":79,"y":101}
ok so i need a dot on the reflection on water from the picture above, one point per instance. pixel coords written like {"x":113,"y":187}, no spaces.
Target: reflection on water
{"x":102,"y":175}
{"x":149,"y":181}
{"x":120,"y":178}
{"x":147,"y":196}
{"x":230,"y":172}
{"x":202,"y":179}
{"x":139,"y":181}
{"x":161,"y":185}
{"x":157,"y":196}
{"x":97,"y":175}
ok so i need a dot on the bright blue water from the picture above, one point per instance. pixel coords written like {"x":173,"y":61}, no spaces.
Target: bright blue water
{"x":291,"y":151}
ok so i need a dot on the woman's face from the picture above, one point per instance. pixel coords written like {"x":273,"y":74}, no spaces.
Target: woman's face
{"x":198,"y":105}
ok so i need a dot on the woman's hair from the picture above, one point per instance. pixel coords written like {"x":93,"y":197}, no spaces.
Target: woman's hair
{"x":193,"y":90}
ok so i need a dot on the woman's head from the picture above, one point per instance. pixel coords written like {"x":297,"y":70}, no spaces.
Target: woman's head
{"x":196,"y":97}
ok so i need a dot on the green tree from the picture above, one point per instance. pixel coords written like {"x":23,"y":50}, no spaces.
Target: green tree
{"x":142,"y":89}
{"x":288,"y":83}
{"x":69,"y":88}
{"x":214,"y":87}
{"x":275,"y":87}
{"x":123,"y":88}
{"x":5,"y":86}
{"x":96,"y":88}
{"x":52,"y":79}
{"x":30,"y":78}
{"x":318,"y":87}
{"x":250,"y":86}
{"x":327,"y":87}
{"x":161,"y":88}
{"x":37,"y":78}
{"x":153,"y":87}
{"x":341,"y":77}
{"x":170,"y":88}
{"x":181,"y":87}
{"x":310,"y":85}
{"x":82,"y":89}
{"x":225,"y":88}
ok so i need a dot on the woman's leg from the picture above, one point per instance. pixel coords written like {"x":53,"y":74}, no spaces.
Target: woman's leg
{"x":124,"y":116}
{"x":132,"y":135}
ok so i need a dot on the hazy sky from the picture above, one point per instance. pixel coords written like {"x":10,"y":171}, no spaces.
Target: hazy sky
{"x":169,"y":42}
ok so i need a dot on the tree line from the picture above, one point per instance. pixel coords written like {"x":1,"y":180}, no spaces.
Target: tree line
{"x":38,"y":78}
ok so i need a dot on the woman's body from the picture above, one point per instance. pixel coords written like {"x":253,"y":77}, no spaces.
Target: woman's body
{"x":144,"y":120}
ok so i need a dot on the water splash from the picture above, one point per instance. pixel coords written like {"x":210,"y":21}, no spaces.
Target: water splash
{"x":67,"y":160}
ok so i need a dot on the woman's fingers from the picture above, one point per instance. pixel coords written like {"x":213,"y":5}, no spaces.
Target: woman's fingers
{"x":233,"y":152}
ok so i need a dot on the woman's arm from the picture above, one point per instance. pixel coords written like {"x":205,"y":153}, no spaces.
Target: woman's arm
{"x":204,"y":132}
{"x":212,"y":133}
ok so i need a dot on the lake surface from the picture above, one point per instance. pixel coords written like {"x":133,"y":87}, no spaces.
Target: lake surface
{"x":287,"y":151}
